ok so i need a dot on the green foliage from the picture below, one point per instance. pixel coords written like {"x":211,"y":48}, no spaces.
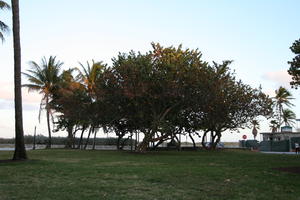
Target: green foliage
{"x":274,"y":125}
{"x":41,"y":139}
{"x":288,"y":117}
{"x":44,"y":78}
{"x":163,"y":93}
{"x":281,"y":100}
{"x":294,"y":69}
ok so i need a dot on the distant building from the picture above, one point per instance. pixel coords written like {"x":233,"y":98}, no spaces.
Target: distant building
{"x":286,"y":133}
{"x":280,"y":141}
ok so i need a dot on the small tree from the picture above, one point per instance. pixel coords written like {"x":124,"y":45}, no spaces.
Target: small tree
{"x":255,"y":126}
{"x":282,"y":98}
{"x":274,"y":125}
{"x":294,"y":69}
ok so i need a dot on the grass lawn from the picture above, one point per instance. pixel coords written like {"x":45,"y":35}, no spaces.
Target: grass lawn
{"x":75,"y":174}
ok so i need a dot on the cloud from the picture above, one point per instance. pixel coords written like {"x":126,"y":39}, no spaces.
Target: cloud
{"x":280,"y":78}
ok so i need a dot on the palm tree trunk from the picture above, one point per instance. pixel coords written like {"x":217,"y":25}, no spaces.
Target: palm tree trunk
{"x":20,"y":152}
{"x":280,"y":114}
{"x":48,"y":123}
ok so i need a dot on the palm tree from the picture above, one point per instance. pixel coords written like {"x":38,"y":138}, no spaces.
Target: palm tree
{"x":3,"y":27}
{"x":255,"y":125}
{"x":90,"y":74}
{"x":20,"y":152}
{"x":274,"y":125}
{"x":89,"y":77}
{"x":282,"y":97}
{"x":44,"y":78}
{"x":288,"y":117}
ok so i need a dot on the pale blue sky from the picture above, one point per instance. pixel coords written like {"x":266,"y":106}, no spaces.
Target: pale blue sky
{"x":255,"y":34}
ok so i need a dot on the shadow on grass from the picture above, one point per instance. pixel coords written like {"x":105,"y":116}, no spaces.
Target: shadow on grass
{"x":10,"y":161}
{"x":295,"y":170}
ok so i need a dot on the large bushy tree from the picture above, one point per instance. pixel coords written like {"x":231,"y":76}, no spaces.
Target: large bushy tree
{"x":170,"y":91}
{"x":162,"y":94}
{"x":230,"y":104}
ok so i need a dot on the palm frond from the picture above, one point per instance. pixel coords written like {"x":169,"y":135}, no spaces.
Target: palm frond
{"x":4,"y":5}
{"x":1,"y":37}
{"x":288,"y":116}
{"x":32,"y":87}
{"x":3,"y":27}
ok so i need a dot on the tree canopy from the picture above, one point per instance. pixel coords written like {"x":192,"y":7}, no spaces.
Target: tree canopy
{"x":163,"y":93}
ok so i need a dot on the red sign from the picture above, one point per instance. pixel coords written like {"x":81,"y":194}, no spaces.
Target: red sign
{"x":244,"y":137}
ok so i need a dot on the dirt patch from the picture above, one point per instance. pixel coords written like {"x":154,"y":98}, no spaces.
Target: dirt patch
{"x":295,"y":170}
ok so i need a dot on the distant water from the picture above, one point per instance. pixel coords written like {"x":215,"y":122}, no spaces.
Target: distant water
{"x":7,"y":149}
{"x":11,"y":147}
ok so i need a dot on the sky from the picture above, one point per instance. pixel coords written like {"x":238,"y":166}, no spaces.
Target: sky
{"x":255,"y":34}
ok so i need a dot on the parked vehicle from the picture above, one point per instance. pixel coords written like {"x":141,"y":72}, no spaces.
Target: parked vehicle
{"x":220,"y":145}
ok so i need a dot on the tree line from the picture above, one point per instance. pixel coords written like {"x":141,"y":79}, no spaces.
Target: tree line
{"x":161,"y":94}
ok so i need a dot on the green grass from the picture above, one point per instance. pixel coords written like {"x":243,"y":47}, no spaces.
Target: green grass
{"x":74,"y":174}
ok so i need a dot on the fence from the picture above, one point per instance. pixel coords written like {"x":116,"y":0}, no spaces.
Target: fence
{"x":279,"y":146}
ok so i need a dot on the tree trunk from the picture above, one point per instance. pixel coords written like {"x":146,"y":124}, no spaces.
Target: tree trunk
{"x":254,"y":132}
{"x":178,"y":143}
{"x":158,"y":143}
{"x":124,"y":142}
{"x":136,"y":138}
{"x":80,"y":140}
{"x":203,"y":142}
{"x":194,"y":144}
{"x":94,"y":141}
{"x":119,"y":142}
{"x":20,"y":151}
{"x":48,"y":123}
{"x":70,"y":137}
{"x":33,"y":147}
{"x":142,"y":147}
{"x":131,"y":142}
{"x":87,"y":139}
{"x":213,"y":143}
